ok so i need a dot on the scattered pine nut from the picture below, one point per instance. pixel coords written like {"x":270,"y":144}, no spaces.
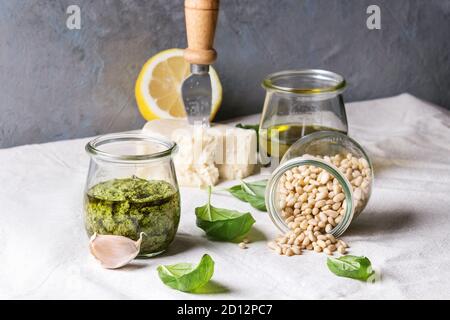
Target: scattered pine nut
{"x":341,"y":250}
{"x":243,"y":245}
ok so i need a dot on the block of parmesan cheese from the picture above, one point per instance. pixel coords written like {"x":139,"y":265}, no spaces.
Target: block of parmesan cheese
{"x":207,"y":155}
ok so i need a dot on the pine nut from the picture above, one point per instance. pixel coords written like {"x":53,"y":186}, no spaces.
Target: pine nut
{"x":331,"y":221}
{"x":363,"y":163}
{"x":327,"y":251}
{"x":321,"y":196}
{"x":357,"y":181}
{"x":337,"y":189}
{"x":321,"y":243}
{"x":331,"y":213}
{"x":341,"y":250}
{"x":323,"y":190}
{"x":272,"y":245}
{"x":336,"y":206}
{"x":306,"y":242}
{"x":331,"y":238}
{"x":320,"y":204}
{"x":243,"y":245}
{"x":290,"y":219}
{"x":342,"y":243}
{"x":339,"y":197}
{"x":324,"y":177}
{"x":301,"y":237}
{"x":296,"y":250}
{"x":304,"y":224}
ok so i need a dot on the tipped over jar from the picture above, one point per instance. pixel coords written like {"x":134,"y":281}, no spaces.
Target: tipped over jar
{"x":323,"y":182}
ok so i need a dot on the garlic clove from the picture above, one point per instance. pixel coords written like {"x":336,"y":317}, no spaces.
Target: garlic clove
{"x":114,"y":252}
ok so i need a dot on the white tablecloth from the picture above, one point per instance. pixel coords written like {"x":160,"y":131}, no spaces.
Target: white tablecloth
{"x":405,"y":230}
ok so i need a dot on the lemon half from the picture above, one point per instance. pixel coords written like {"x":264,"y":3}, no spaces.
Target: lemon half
{"x":158,"y":87}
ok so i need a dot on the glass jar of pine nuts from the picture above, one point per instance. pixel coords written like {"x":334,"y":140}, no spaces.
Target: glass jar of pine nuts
{"x":323,"y":182}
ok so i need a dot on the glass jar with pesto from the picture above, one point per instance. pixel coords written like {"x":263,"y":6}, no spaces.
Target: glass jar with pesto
{"x":132,"y":188}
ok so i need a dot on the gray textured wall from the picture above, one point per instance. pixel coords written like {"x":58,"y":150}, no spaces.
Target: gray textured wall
{"x":57,"y":84}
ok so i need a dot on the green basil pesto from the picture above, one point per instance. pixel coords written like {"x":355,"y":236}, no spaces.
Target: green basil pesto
{"x":130,"y":206}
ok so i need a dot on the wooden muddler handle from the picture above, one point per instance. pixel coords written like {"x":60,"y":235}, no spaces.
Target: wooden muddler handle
{"x":201,"y":20}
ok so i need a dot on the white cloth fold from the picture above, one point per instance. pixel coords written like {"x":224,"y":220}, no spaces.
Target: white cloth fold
{"x":405,"y":230}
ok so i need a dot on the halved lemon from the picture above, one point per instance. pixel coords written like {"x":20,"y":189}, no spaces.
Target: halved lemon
{"x":158,"y":87}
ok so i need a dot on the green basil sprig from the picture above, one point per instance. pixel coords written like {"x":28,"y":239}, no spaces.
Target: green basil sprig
{"x":186,"y":276}
{"x":354,"y":267}
{"x":251,"y":192}
{"x":223,"y":224}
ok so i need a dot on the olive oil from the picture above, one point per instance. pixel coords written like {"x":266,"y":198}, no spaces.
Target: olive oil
{"x":283,"y":136}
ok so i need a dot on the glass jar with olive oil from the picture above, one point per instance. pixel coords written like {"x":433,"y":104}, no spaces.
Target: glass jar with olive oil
{"x":299,"y":103}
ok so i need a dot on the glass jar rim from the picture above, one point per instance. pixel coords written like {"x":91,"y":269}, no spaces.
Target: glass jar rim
{"x":92,"y":147}
{"x":332,"y":82}
{"x":314,"y":136}
{"x":343,"y":225}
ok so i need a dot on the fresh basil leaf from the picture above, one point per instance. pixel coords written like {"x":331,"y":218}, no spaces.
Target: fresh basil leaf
{"x":223,"y":224}
{"x":257,"y":202}
{"x":262,"y":183}
{"x":353,"y":267}
{"x":251,"y":192}
{"x":257,"y":188}
{"x":238,"y":192}
{"x":186,"y":276}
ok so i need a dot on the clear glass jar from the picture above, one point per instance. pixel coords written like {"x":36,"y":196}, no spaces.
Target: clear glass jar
{"x":298,"y":103}
{"x":132,"y":188}
{"x":330,"y":151}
